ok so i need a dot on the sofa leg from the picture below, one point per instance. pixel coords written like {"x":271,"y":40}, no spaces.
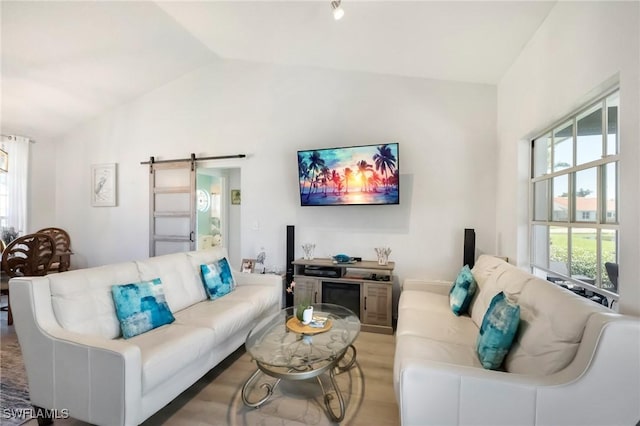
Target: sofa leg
{"x":44,"y":416}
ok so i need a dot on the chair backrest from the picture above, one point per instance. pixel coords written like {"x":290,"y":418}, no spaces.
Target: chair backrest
{"x":61,"y":238}
{"x":29,"y":255}
{"x":612,"y":271}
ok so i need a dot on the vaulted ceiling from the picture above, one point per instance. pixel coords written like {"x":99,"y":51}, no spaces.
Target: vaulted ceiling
{"x":64,"y":63}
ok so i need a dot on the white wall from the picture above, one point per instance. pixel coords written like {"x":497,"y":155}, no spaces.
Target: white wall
{"x":577,"y":52}
{"x":41,"y":187}
{"x":447,"y":142}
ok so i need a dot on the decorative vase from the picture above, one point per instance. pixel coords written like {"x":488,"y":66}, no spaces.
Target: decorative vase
{"x":383,"y":255}
{"x":307,"y":316}
{"x":298,"y":311}
{"x":308,"y":251}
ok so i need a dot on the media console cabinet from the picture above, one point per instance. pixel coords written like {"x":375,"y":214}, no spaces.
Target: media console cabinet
{"x":364,"y":287}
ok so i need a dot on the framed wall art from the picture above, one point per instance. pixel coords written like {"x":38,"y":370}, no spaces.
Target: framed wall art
{"x":103,"y":185}
{"x":235,"y":196}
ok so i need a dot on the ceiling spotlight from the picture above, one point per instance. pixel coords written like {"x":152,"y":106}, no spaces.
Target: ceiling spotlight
{"x":338,"y":11}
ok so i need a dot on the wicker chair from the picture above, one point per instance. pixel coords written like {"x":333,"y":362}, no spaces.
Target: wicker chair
{"x":62,"y":258}
{"x":26,"y":256}
{"x":4,"y":278}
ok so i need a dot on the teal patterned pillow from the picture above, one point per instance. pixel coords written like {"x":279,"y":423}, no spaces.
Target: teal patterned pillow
{"x":499,"y":327}
{"x":217,"y":278}
{"x":141,"y":307}
{"x":462,"y":291}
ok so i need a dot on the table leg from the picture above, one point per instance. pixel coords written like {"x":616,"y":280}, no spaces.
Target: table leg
{"x":248,"y":384}
{"x":328,"y":397}
{"x":349,"y":362}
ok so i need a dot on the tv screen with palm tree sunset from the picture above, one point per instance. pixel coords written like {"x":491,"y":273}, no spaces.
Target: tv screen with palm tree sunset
{"x":349,"y":175}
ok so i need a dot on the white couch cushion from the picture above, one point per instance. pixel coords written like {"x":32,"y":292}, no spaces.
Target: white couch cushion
{"x":483,"y":298}
{"x":443,"y":327}
{"x":181,"y":281}
{"x":231,"y":312}
{"x":209,"y":255}
{"x":168,"y":349}
{"x":261,"y":297}
{"x":429,"y":350}
{"x":482,"y":271}
{"x":424,"y":300}
{"x":223,"y":317}
{"x":552,"y":321}
{"x":82,"y":300}
{"x":429,"y":315}
{"x":484,"y":267}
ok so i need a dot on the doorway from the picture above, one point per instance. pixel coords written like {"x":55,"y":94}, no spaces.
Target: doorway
{"x":217,"y":219}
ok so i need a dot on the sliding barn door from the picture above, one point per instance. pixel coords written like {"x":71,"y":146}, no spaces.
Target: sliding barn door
{"x":172,"y":198}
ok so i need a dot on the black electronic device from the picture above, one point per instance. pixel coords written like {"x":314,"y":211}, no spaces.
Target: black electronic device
{"x":469,"y":256}
{"x":322,"y":271}
{"x":376,"y":277}
{"x":291,"y":242}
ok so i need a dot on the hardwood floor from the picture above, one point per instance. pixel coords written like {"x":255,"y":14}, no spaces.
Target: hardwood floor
{"x":215,"y":399}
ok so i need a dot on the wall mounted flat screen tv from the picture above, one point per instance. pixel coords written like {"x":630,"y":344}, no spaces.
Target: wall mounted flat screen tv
{"x":354,"y":175}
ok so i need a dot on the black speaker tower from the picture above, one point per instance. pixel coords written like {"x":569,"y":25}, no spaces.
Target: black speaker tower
{"x":291,"y":242}
{"x":469,"y":257}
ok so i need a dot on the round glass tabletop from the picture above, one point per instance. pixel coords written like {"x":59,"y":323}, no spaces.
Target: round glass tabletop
{"x":271,"y":342}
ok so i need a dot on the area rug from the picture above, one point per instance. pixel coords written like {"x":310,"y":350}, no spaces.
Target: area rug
{"x":14,"y":390}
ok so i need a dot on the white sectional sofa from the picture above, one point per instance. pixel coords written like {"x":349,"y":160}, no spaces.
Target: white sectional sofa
{"x":573,"y":362}
{"x":74,"y":355}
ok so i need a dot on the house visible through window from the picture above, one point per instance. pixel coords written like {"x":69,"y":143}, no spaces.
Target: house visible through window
{"x":574,"y":184}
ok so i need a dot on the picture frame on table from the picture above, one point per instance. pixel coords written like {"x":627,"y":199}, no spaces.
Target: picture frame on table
{"x":103,"y":185}
{"x":248,"y":266}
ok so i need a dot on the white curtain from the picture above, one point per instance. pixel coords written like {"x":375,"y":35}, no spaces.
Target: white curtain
{"x":17,"y":147}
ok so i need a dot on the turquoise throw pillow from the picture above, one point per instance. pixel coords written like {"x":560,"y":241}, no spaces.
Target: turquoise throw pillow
{"x":141,"y":307}
{"x":217,"y":278}
{"x":499,"y":327}
{"x":462,"y":291}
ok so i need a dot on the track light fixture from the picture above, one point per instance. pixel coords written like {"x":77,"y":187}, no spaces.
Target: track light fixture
{"x":338,"y":11}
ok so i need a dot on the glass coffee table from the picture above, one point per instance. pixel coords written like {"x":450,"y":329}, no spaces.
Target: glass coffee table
{"x":285,"y":349}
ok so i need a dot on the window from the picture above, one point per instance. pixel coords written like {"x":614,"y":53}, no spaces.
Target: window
{"x":13,"y":184}
{"x":3,"y":199}
{"x":574,"y":186}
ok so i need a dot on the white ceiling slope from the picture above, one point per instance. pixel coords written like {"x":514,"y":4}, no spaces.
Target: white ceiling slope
{"x":66,"y":62}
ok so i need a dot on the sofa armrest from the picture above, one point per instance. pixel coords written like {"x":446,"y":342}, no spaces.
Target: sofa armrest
{"x":433,"y":286}
{"x":61,"y":365}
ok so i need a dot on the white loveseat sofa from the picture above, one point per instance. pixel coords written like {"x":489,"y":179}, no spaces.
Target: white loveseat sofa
{"x":573,"y":362}
{"x":74,"y":355}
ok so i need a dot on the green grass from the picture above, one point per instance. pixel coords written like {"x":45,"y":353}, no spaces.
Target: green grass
{"x":583,"y":257}
{"x":585,"y":242}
